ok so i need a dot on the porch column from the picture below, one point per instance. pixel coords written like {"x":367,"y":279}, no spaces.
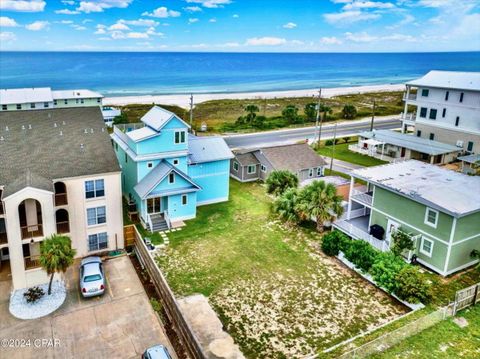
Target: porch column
{"x":405,"y":108}
{"x":349,"y":208}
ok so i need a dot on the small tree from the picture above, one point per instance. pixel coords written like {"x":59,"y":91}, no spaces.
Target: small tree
{"x":349,"y":111}
{"x":252,"y":112}
{"x":325,"y":110}
{"x":346,"y":139}
{"x":310,"y":111}
{"x":259,"y":122}
{"x":290,"y":113}
{"x":56,"y":255}
{"x":320,"y":201}
{"x":285,"y":205}
{"x":279,"y":181}
{"x":401,"y":242}
{"x":412,"y":286}
{"x":122,"y":118}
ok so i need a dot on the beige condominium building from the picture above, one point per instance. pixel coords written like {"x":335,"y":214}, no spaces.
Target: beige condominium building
{"x":58,"y":175}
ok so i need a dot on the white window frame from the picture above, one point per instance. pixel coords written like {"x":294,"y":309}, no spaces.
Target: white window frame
{"x":254,"y":169}
{"x":169,"y":181}
{"x":263,"y":168}
{"x":310,"y":172}
{"x":428,"y":254}
{"x":96,"y":216}
{"x":235,"y":166}
{"x":186,"y":200}
{"x":319,"y":171}
{"x":427,"y":210}
{"x":180,"y":142}
{"x":95,"y":190}
{"x":98,"y":241}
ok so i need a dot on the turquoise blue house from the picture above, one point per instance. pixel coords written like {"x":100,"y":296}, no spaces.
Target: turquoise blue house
{"x":166,"y":171}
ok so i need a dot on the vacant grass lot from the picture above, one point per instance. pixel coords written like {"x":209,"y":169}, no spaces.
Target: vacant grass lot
{"x":275,"y":292}
{"x":341,"y":152}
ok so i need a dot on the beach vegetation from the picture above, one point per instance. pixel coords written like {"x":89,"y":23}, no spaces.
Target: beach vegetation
{"x":290,"y":114}
{"x":285,"y":206}
{"x":349,"y":111}
{"x":310,"y":111}
{"x":279,"y":181}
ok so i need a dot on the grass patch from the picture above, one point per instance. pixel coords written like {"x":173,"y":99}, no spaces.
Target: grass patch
{"x":342,"y":153}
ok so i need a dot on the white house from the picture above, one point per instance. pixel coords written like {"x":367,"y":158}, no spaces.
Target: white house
{"x":58,"y":175}
{"x":447,"y":108}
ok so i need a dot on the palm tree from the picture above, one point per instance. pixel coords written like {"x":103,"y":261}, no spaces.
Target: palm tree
{"x":252,"y":112}
{"x":320,"y":201}
{"x":56,"y":255}
{"x":279,"y":181}
{"x":326,"y":110}
{"x":349,"y":111}
{"x":285,"y":205}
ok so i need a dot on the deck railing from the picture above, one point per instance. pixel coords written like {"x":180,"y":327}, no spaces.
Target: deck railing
{"x":358,"y":233}
{"x":412,"y":96}
{"x":32,"y":262}
{"x":61,"y":199}
{"x":32,"y":231}
{"x":63,"y":227}
{"x":3,"y":238}
{"x":2,"y":211}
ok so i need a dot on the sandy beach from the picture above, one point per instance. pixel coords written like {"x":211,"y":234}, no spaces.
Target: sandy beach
{"x":184,"y":100}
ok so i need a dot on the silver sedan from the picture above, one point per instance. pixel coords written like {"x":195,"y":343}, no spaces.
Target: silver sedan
{"x":92,"y":278}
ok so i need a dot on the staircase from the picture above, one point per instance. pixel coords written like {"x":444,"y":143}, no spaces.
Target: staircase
{"x":158,"y":223}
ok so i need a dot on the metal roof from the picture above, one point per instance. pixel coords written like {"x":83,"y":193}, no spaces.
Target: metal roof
{"x":157,"y":117}
{"x":469,"y":81}
{"x":470,"y":158}
{"x":207,"y":149}
{"x":411,"y":142}
{"x":69,"y":94}
{"x":40,"y":146}
{"x":25,"y":95}
{"x":445,"y":190}
{"x":142,"y":134}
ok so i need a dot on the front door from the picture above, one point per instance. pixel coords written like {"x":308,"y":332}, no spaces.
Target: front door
{"x":154,"y":205}
{"x":392,"y":226}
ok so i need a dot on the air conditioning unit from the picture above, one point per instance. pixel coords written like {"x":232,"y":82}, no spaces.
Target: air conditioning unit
{"x":459,"y":143}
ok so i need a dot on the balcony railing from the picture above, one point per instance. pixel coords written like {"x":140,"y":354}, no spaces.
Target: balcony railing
{"x":409,"y":117}
{"x":3,"y":238}
{"x":412,"y":96}
{"x":32,"y":231}
{"x":358,"y":233}
{"x":2,"y":211}
{"x":362,"y":197}
{"x":32,"y":262}
{"x":63,"y":227}
{"x":61,"y":199}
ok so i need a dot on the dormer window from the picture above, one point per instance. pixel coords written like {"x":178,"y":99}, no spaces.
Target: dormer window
{"x":179,"y":137}
{"x":171,"y":178}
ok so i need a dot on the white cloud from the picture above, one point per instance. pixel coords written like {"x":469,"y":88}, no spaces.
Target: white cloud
{"x":192,"y":20}
{"x":162,"y":12}
{"x":330,"y":40}
{"x":67,"y":12}
{"x":37,"y":25}
{"x":140,"y":22}
{"x":368,"y":5}
{"x":68,"y":2}
{"x":7,"y":36}
{"x":86,"y":21}
{"x":349,"y":17}
{"x":137,"y":35}
{"x":210,"y":3}
{"x":265,"y":41}
{"x":364,"y":37}
{"x":236,"y":16}
{"x":7,"y":22}
{"x":212,"y":20}
{"x":65,"y":22}
{"x":118,"y":26}
{"x":193,"y":8}
{"x":152,"y":32}
{"x":100,"y":6}
{"x":23,"y":5}
{"x":100,"y":31}
{"x":230,"y":44}
{"x":360,"y":37}
{"x":290,"y":25}
{"x":79,"y":27}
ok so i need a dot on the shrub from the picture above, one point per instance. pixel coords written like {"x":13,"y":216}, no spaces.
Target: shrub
{"x":361,"y":254}
{"x":401,"y":242}
{"x":334,"y":242}
{"x":328,"y":142}
{"x":385,"y":269}
{"x":349,"y":111}
{"x":285,"y":204}
{"x":290,"y":113}
{"x":279,"y":181}
{"x":412,"y":286}
{"x":310,"y":111}
{"x":33,"y":294}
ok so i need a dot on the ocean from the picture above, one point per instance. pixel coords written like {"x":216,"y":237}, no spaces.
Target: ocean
{"x":138,"y":73}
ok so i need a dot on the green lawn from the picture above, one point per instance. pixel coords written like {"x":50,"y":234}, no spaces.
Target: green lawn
{"x":341,"y":152}
{"x":274,"y":290}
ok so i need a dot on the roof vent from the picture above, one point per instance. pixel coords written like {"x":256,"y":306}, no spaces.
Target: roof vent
{"x":82,"y":146}
{"x":1,"y":138}
{"x":55,"y":124}
{"x":103,"y":129}
{"x":6,"y":128}
{"x":61,"y":133}
{"x":91,"y":130}
{"x":49,"y":115}
{"x":29,"y":126}
{"x":23,"y":127}
{"x":63,"y":123}
{"x":86,"y":131}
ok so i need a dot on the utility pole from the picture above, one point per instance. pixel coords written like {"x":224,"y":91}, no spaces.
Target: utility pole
{"x":373,"y":115}
{"x":191,"y":113}
{"x":317,"y":127}
{"x":333,"y":146}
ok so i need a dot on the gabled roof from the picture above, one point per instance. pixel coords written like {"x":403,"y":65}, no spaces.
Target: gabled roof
{"x":25,"y":95}
{"x":246,"y":159}
{"x":156,"y":176}
{"x":445,"y":190}
{"x":158,"y":117}
{"x":207,"y":149}
{"x":141,"y":134}
{"x":69,"y":94}
{"x":293,"y":157}
{"x":469,"y":81}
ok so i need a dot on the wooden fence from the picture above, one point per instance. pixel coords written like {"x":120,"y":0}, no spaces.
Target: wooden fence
{"x":129,"y":235}
{"x":466,"y":297}
{"x":181,"y":326}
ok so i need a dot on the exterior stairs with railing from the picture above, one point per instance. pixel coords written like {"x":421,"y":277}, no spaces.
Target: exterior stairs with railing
{"x":158,"y":223}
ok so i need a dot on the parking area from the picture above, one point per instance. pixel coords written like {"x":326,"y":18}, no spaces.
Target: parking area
{"x":120,"y":324}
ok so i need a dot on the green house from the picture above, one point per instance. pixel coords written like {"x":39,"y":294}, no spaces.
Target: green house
{"x":439,"y":208}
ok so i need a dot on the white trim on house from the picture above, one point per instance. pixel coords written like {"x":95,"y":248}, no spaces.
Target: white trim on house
{"x":466,"y":239}
{"x":427,"y":210}
{"x":254,"y":169}
{"x":233,"y":166}
{"x":449,"y":249}
{"x":263,"y":168}
{"x":424,"y":252}
{"x":431,"y":266}
{"x":462,"y":267}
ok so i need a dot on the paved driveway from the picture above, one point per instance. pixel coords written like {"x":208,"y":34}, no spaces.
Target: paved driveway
{"x":120,"y":324}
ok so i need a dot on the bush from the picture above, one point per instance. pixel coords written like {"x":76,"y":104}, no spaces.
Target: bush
{"x":349,"y":111}
{"x":401,"y":242}
{"x":334,"y":242}
{"x":412,"y":286}
{"x":328,"y":142}
{"x":33,"y":294}
{"x":385,"y":269}
{"x":285,"y":205}
{"x":279,"y":181}
{"x":361,"y":254}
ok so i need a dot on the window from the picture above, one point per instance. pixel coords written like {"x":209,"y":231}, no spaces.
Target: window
{"x":310,"y":172}
{"x":76,"y":100}
{"x":19,"y":106}
{"x":461,"y":97}
{"x":99,"y":100}
{"x":149,"y":164}
{"x":94,"y":188}
{"x":82,"y":101}
{"x":470,"y":146}
{"x":4,"y":107}
{"x":431,"y":217}
{"x":96,"y":215}
{"x":419,"y":133}
{"x":423,"y":112}
{"x":425,"y":92}
{"x":263,"y":168}
{"x":126,"y":158}
{"x":65,"y":102}
{"x":251,"y":169}
{"x":457,"y":121}
{"x":176,"y":162}
{"x":444,"y":112}
{"x":235,"y":166}
{"x":116,"y":146}
{"x":97,"y":241}
{"x":179,"y":137}
{"x":184,"y":200}
{"x":55,"y":102}
{"x":32,"y":105}
{"x":171,"y":177}
{"x":426,"y":247}
{"x":432,"y":136}
{"x":433,"y":114}
{"x":446,"y":95}
{"x":45,"y":104}
{"x":319,"y":171}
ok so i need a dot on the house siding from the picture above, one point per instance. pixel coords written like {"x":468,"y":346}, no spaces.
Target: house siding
{"x":467,"y":227}
{"x":213,"y":178}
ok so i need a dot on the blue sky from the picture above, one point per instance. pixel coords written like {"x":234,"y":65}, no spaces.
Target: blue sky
{"x":240,"y":25}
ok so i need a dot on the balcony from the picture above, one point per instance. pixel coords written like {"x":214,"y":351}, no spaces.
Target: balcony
{"x":32,"y":231}
{"x":410,"y":97}
{"x":357,"y":228}
{"x":32,"y":262}
{"x":408,"y":118}
{"x":61,"y":199}
{"x":362,"y":197}
{"x":2,"y":211}
{"x":3,"y":238}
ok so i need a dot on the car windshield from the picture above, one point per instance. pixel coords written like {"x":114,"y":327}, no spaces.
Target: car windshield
{"x":92,"y":278}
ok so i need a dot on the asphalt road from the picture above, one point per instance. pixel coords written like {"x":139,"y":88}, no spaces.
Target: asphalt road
{"x":279,"y":137}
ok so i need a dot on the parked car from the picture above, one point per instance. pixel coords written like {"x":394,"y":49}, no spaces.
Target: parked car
{"x":92,"y":277}
{"x":156,"y":352}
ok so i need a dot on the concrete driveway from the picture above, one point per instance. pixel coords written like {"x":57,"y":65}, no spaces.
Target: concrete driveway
{"x":120,"y":324}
